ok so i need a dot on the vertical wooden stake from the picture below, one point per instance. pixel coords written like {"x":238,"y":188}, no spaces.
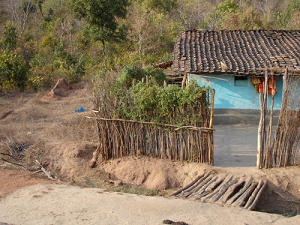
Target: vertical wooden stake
{"x":258,"y":162}
{"x":261,"y":139}
{"x":212,"y":108}
{"x":165,"y":84}
{"x":184,"y":81}
{"x":211,"y":149}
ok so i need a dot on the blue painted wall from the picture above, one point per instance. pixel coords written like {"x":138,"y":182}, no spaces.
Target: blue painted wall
{"x":236,"y":94}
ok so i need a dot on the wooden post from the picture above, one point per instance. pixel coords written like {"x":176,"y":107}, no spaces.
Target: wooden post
{"x":261,"y":126}
{"x":212,"y":108}
{"x":211,"y":149}
{"x":258,"y":158}
{"x":147,"y":79}
{"x":184,"y":81}
{"x":165,"y":84}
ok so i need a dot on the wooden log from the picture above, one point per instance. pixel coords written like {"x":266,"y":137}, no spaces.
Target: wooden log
{"x":211,"y":195}
{"x":240,"y":192}
{"x":187,"y":186}
{"x":223,"y":190}
{"x":251,"y":207}
{"x":209,"y":187}
{"x":187,"y":192}
{"x":230,"y":192}
{"x":242,"y":200}
{"x":203,"y":185}
{"x":254,"y":194}
{"x":93,"y":161}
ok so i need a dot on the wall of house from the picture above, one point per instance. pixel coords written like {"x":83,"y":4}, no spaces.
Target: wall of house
{"x":233,"y":93}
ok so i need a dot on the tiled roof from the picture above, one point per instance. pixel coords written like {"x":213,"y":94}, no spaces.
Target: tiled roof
{"x":239,"y":52}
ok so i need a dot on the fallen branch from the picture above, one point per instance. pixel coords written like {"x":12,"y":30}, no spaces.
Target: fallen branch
{"x":9,"y":156}
{"x":17,"y":164}
{"x":45,"y":171}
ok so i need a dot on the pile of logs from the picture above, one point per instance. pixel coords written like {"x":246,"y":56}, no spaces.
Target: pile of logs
{"x":224,"y":189}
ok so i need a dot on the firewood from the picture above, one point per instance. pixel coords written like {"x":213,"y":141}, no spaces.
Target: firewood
{"x":187,"y":192}
{"x":230,"y":191}
{"x":209,"y":188}
{"x":254,"y":194}
{"x":223,"y":190}
{"x":240,"y":192}
{"x":251,"y":207}
{"x":187,"y":186}
{"x":227,"y":179}
{"x":203,"y":185}
{"x":241,"y":201}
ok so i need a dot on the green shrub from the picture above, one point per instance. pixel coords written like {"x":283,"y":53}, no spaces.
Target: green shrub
{"x":13,"y":71}
{"x":150,"y":102}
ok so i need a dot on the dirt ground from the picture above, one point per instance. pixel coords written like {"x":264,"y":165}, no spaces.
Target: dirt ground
{"x":44,"y":127}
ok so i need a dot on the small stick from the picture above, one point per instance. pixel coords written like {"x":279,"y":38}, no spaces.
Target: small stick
{"x":45,"y":171}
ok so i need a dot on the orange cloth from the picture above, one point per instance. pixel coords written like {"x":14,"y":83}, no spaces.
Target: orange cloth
{"x":261,"y":85}
{"x":272,"y":89}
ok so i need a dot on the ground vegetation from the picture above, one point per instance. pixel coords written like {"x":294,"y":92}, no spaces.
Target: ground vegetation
{"x":51,"y":39}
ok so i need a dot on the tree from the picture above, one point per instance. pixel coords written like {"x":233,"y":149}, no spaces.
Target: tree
{"x":101,"y":18}
{"x":9,"y":41}
{"x":225,"y":8}
{"x":289,"y":16}
{"x":192,"y":14}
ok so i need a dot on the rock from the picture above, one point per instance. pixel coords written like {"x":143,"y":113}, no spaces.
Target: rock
{"x":118,"y":183}
{"x":61,"y":87}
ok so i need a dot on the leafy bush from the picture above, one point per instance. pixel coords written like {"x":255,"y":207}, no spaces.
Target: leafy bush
{"x":134,"y":72}
{"x":150,"y":102}
{"x":13,"y":71}
{"x":46,"y":68}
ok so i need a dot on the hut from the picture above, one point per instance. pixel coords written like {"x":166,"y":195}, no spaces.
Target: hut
{"x":233,"y":62}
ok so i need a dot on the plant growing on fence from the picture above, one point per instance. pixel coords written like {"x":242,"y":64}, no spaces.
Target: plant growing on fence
{"x":137,"y":118}
{"x":128,"y":98}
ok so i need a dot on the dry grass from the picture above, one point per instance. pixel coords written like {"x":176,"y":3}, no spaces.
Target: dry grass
{"x":30,"y":123}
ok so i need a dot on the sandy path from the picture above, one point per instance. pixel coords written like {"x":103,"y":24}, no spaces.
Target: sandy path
{"x":65,"y":204}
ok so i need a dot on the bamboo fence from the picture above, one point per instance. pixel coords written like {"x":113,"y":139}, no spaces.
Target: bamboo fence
{"x":123,"y":137}
{"x":119,"y":138}
{"x":280,"y":147}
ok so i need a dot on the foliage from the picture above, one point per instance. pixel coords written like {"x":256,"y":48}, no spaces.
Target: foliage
{"x":101,"y":18}
{"x":9,"y":41}
{"x":150,"y":102}
{"x":223,"y":10}
{"x":291,"y":10}
{"x":162,"y":6}
{"x":43,"y":73}
{"x":133,"y":72}
{"x":76,"y":38}
{"x":13,"y":71}
{"x":243,"y":20}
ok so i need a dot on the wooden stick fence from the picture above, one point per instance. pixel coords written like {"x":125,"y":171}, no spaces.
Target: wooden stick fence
{"x":119,"y":138}
{"x":282,"y":148}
